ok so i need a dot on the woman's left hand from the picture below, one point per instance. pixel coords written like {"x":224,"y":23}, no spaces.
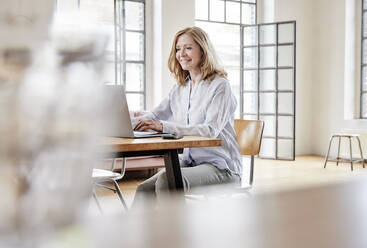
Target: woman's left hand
{"x":144,"y":125}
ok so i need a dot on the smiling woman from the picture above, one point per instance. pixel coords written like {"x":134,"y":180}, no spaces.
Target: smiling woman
{"x":200,"y":104}
{"x":188,"y":54}
{"x":207,"y":61}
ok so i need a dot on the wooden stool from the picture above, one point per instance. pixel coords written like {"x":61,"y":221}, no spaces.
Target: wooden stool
{"x":346,"y":160}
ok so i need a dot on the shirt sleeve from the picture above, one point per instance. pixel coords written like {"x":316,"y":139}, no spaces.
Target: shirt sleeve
{"x":218,"y":114}
{"x":161,"y":112}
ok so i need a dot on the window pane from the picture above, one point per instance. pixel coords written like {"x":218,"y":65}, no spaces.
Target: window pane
{"x":364,"y":78}
{"x":67,"y":5}
{"x":101,"y":10}
{"x":237,"y":114}
{"x":285,"y":79}
{"x":201,"y":9}
{"x":119,"y":48}
{"x":267,"y":80}
{"x":285,"y":103}
{"x":285,"y":149}
{"x":134,"y":77}
{"x":364,"y":4}
{"x":250,"y":103}
{"x":109,"y":73}
{"x":233,"y":12}
{"x":250,"y":57}
{"x":110,"y":56}
{"x":110,"y":30}
{"x":134,"y":46}
{"x":250,"y":117}
{"x":234,"y":80}
{"x":267,"y":34}
{"x":135,"y":101}
{"x":269,"y":125}
{"x":216,"y":10}
{"x":285,"y":54}
{"x":268,"y":57}
{"x":227,"y":45}
{"x":248,"y":14}
{"x":250,"y":80}
{"x":250,"y":36}
{"x":286,"y":33}
{"x":364,"y":52}
{"x":267,"y":148}
{"x":236,"y":92}
{"x":364,"y":105}
{"x":285,"y":126}
{"x":267,"y":103}
{"x":134,"y":15}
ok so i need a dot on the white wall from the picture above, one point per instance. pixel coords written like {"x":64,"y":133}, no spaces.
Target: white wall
{"x":328,"y":78}
{"x":265,"y":11}
{"x":320,"y":71}
{"x":301,"y":11}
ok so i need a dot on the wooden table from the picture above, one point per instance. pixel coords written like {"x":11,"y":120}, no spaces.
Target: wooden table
{"x":169,"y":149}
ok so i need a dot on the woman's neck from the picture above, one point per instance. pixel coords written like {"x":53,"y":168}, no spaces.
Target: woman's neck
{"x":194,"y":74}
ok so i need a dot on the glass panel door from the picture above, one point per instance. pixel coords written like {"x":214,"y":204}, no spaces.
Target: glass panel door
{"x":268,"y":90}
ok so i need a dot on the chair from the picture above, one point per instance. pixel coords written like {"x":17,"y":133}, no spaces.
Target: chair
{"x":101,"y":177}
{"x":249,"y":135}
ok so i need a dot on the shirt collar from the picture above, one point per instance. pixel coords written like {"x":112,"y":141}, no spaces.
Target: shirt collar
{"x":197,"y":78}
{"x":187,"y":79}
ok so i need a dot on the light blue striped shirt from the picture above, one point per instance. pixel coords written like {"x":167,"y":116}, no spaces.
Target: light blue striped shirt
{"x":208,"y":111}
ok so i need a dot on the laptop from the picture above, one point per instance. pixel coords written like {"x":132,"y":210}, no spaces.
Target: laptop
{"x":116,"y":118}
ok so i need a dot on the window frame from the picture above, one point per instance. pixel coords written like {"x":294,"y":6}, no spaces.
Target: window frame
{"x":363,"y":65}
{"x":277,"y":68}
{"x":120,"y":76}
{"x":120,"y":31}
{"x":242,"y":25}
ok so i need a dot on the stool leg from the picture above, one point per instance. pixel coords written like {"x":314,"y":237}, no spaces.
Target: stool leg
{"x":328,"y":151}
{"x":97,"y":201}
{"x":360,"y":150}
{"x":351,"y":153}
{"x":338,"y":157}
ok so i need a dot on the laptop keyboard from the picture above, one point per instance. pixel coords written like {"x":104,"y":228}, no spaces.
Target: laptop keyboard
{"x":138,"y":133}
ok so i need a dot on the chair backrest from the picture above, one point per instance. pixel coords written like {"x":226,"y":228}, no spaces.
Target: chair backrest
{"x":249,"y":134}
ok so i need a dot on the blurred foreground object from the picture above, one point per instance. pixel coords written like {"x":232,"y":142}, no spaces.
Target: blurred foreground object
{"x":49,"y":103}
{"x":327,"y":216}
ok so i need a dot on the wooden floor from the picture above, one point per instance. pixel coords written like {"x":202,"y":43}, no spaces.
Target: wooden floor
{"x":272,"y":175}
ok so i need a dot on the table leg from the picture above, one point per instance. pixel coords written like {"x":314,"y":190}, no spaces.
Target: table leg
{"x":173,"y":170}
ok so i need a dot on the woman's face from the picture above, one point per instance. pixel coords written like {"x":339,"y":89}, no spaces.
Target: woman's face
{"x":188,"y":53}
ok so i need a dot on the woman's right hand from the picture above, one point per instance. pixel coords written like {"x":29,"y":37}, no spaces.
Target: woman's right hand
{"x":145,"y":125}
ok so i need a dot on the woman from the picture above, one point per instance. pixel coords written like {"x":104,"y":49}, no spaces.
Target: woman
{"x":201,"y":104}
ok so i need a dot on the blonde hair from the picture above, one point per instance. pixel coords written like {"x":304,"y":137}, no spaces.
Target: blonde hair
{"x":209,"y":64}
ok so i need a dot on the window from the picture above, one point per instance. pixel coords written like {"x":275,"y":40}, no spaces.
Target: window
{"x":363,"y":96}
{"x":125,"y":64}
{"x":225,"y":17}
{"x":260,"y":61}
{"x":269,"y":84}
